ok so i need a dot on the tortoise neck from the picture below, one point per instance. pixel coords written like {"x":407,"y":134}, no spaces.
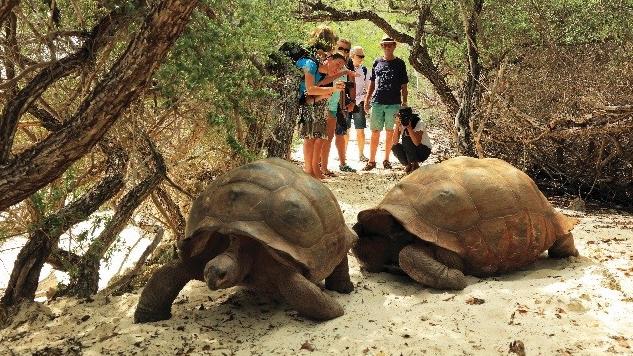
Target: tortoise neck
{"x":240,"y":251}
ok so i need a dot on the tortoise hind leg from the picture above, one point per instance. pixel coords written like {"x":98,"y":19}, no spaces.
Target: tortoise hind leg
{"x":307,"y":298}
{"x":339,"y":280}
{"x":563,"y":247}
{"x":161,"y":290}
{"x":416,"y":260}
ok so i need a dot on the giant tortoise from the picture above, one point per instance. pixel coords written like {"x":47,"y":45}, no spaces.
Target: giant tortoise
{"x":267,"y":226}
{"x":463,"y":216}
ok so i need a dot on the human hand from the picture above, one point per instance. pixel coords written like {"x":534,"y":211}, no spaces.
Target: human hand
{"x":350,"y":107}
{"x":353,"y":73}
{"x":339,"y":86}
{"x":367,"y":107}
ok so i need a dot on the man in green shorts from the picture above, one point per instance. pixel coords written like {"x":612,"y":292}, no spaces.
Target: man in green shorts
{"x":386,"y":94}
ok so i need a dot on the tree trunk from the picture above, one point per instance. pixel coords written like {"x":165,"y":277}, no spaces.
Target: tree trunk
{"x":26,"y":270}
{"x":10,"y":48}
{"x":32,"y":169}
{"x":471,"y":91}
{"x":6,"y":6}
{"x":278,"y":145}
{"x":86,"y":280}
{"x":21,"y":101}
{"x":170,"y":211}
{"x":423,"y":64}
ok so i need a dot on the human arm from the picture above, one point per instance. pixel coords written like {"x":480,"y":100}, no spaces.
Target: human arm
{"x":330,"y":77}
{"x":396,"y":132}
{"x":404,"y":92}
{"x":352,"y":91}
{"x":416,"y":136}
{"x":370,"y":92}
{"x":312,"y":89}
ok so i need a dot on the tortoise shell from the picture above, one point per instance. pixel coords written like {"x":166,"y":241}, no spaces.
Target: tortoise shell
{"x":490,"y":213}
{"x":293,"y":215}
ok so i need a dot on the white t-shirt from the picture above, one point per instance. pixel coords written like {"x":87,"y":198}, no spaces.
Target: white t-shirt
{"x":362,"y":83}
{"x":420,"y":126}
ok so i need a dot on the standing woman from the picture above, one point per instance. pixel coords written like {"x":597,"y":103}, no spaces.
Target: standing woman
{"x":313,"y":99}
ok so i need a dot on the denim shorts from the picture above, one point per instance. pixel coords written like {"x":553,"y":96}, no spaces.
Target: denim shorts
{"x":341,"y":124}
{"x":360,"y":121}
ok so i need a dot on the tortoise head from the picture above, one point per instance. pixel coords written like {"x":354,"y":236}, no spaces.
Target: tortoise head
{"x":230,"y":267}
{"x":372,"y":252}
{"x":374,"y":248}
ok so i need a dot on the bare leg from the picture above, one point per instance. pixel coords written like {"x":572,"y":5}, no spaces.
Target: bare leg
{"x":360,"y":138}
{"x":316,"y":158}
{"x":161,"y":290}
{"x":373,"y":145}
{"x":339,"y":141}
{"x":339,"y":279}
{"x":308,"y":149}
{"x":307,"y":298}
{"x":327,"y":144}
{"x":388,"y":140}
{"x":346,"y":136}
{"x":563,"y":247}
{"x":418,"y":263}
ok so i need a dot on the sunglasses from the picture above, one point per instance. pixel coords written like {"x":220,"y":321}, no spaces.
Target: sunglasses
{"x":343,"y":49}
{"x":360,"y":55}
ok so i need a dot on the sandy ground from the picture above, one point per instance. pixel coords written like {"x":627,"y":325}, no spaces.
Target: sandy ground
{"x":575,"y":306}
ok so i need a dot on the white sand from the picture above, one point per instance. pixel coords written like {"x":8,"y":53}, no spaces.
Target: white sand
{"x":579,"y":306}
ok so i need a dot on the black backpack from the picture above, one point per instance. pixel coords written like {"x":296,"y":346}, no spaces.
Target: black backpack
{"x":350,"y":66}
{"x":294,"y":51}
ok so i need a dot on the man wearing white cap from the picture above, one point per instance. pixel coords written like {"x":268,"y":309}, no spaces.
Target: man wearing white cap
{"x":386,"y":94}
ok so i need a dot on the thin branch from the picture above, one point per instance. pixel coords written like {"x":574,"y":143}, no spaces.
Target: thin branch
{"x":41,"y":164}
{"x":322,"y":12}
{"x":6,"y":6}
{"x":99,"y":36}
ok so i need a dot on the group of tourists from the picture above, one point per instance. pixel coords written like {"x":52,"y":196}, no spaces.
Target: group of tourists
{"x":337,"y":89}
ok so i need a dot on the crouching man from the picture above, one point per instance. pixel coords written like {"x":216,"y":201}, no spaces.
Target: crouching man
{"x":416,"y":144}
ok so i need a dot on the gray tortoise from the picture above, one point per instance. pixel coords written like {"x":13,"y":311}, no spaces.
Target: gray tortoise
{"x":267,"y":226}
{"x":463,"y":216}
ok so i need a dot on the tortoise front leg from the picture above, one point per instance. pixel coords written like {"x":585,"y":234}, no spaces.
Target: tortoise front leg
{"x":306,"y":297}
{"x":161,"y":290}
{"x":422,"y":267}
{"x":563,"y":247}
{"x":339,"y":280}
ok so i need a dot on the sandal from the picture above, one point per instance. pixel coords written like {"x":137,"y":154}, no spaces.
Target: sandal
{"x":369,"y":166}
{"x":346,"y":168}
{"x":387,"y":165}
{"x":330,"y":174}
{"x":362,"y":158}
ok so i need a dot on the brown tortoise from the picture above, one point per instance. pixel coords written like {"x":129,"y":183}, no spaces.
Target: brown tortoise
{"x":267,"y":226}
{"x":464,"y":215}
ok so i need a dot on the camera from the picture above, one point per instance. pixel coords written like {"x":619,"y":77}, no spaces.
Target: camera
{"x":406,"y":114}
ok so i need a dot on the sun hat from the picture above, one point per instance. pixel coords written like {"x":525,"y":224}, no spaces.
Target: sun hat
{"x":387,"y":39}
